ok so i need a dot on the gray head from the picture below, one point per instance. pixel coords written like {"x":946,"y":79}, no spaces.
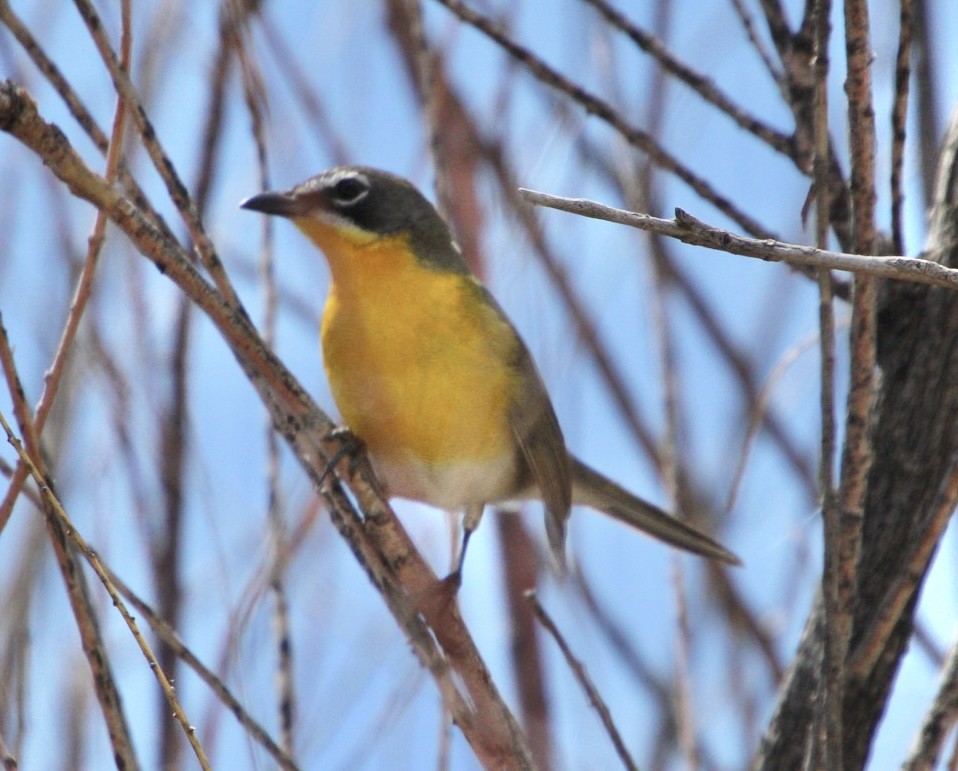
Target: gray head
{"x":371,"y":201}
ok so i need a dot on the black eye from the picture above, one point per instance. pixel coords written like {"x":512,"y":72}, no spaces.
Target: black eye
{"x":349,"y":190}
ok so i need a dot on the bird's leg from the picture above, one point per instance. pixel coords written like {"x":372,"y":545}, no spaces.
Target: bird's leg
{"x":470,"y":521}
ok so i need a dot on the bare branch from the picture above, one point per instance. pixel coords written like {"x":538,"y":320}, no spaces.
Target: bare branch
{"x":690,"y":230}
{"x":578,"y":669}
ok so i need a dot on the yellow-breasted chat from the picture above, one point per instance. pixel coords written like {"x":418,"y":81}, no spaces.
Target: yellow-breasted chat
{"x":427,"y":370}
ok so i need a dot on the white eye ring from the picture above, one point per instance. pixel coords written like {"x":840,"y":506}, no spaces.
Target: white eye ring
{"x":349,"y":190}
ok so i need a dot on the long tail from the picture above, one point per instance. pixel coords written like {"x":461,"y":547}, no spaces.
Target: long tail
{"x":590,"y":488}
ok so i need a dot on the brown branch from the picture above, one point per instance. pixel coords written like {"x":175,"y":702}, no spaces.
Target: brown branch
{"x":828,"y":742}
{"x":858,"y":448}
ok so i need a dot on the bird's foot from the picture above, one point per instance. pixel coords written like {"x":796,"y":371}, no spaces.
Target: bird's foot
{"x":349,"y":445}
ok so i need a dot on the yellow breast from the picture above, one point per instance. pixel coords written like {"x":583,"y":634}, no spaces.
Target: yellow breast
{"x":419,"y":363}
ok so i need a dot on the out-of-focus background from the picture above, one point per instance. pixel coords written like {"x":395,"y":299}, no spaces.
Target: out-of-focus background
{"x":665,"y":362}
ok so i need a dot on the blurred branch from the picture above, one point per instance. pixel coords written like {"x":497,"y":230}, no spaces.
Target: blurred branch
{"x":827,"y":744}
{"x":759,"y":412}
{"x":104,"y":684}
{"x":690,"y":230}
{"x":899,"y":118}
{"x":520,"y":575}
{"x":171,"y":639}
{"x":174,"y":184}
{"x":6,"y":757}
{"x":758,"y":45}
{"x":579,"y":671}
{"x":593,"y":105}
{"x":84,"y":287}
{"x":738,"y":362}
{"x":699,"y":83}
{"x":929,"y":110}
{"x":233,"y":27}
{"x":938,"y":721}
{"x":75,"y":539}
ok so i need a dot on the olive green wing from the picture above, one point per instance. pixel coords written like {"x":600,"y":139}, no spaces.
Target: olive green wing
{"x":544,"y":468}
{"x":542,"y":448}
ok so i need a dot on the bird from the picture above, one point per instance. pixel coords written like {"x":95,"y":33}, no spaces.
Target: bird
{"x":429,"y":373}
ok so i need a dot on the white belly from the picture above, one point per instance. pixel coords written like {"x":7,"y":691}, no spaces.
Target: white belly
{"x":451,"y":486}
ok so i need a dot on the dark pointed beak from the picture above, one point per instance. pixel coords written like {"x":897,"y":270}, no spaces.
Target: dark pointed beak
{"x":280,"y":204}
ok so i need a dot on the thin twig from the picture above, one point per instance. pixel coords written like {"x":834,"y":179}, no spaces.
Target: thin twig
{"x":594,"y":105}
{"x":104,"y":684}
{"x":582,"y":676}
{"x":702,"y":85}
{"x":94,"y":561}
{"x":759,"y":409}
{"x":170,"y":638}
{"x":857,"y":452}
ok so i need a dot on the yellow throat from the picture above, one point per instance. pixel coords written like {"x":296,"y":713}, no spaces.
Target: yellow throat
{"x":417,"y":360}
